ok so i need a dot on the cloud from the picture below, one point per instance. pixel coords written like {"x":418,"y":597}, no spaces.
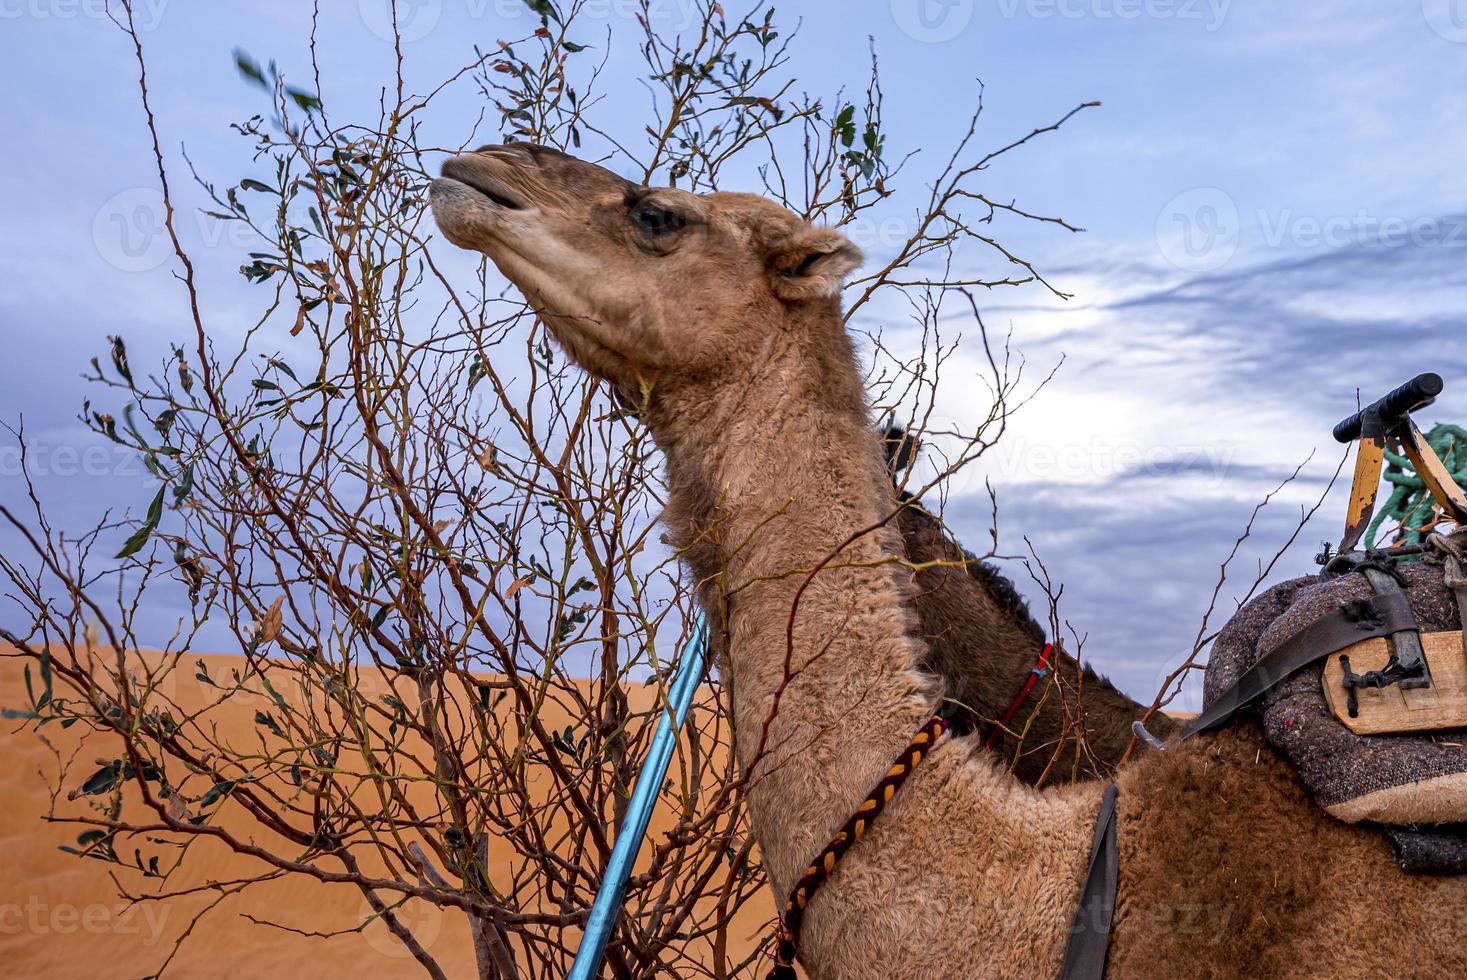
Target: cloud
{"x":1223,"y":383}
{"x":1182,"y":400}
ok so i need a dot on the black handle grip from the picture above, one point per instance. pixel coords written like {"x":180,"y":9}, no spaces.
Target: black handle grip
{"x":1393,"y":409}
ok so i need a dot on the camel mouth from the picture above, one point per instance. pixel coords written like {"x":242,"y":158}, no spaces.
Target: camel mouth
{"x":497,"y":192}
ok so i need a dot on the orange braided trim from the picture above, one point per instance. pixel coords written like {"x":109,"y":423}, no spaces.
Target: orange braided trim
{"x":788,"y":937}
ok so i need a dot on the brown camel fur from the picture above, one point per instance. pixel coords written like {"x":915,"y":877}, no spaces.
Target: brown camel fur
{"x":723,"y":309}
{"x":982,"y":643}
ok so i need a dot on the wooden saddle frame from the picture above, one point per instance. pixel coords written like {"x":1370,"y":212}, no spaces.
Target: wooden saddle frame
{"x":1410,"y":681}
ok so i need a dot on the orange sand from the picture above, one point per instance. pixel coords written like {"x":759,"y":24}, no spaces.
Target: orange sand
{"x":61,"y":916}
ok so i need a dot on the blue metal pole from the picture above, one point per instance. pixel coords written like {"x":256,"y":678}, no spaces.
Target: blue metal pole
{"x":608,"y":902}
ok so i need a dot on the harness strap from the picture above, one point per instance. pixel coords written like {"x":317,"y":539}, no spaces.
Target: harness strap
{"x":1457,"y":582}
{"x":1362,"y":619}
{"x":1090,"y":931}
{"x":1452,"y":551}
{"x":1037,"y":673}
{"x":787,"y":940}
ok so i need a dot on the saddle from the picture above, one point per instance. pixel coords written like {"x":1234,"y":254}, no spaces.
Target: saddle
{"x":1368,"y":749}
{"x":1359,"y":674}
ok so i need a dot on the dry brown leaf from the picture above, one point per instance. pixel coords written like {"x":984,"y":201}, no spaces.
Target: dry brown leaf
{"x":270,"y":623}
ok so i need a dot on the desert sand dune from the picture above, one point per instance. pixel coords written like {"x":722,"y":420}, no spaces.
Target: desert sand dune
{"x":61,"y":916}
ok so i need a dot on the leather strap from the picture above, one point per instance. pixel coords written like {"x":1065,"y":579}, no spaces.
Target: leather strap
{"x":1090,"y":931}
{"x":1455,"y":578}
{"x":1461,"y":591}
{"x":1363,"y":619}
{"x":1451,"y":551}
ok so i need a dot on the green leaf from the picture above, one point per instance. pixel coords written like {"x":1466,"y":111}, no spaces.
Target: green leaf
{"x":103,"y":779}
{"x":568,"y":624}
{"x":250,"y":184}
{"x":872,"y":138}
{"x":304,"y":99}
{"x":216,"y":792}
{"x":249,"y":69}
{"x":39,"y":701}
{"x":224,"y":788}
{"x":260,"y":270}
{"x":164,"y":421}
{"x":132,"y":425}
{"x":185,"y":485}
{"x":275,"y":695}
{"x":46,"y":691}
{"x":119,"y":359}
{"x":140,"y":537}
{"x":545,"y":9}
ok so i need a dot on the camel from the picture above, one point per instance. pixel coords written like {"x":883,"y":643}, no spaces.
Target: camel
{"x":724,"y":310}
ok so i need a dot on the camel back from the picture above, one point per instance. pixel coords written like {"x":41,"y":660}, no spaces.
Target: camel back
{"x":1413,"y":783}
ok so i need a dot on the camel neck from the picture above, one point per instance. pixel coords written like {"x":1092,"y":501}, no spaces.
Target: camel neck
{"x":780,"y":495}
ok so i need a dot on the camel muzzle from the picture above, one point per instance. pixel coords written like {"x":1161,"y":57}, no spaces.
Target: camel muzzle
{"x":475,"y":170}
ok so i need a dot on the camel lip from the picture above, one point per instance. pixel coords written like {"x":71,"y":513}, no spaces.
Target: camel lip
{"x":497,"y":192}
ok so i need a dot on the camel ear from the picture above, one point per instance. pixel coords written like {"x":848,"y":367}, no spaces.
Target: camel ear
{"x":812,"y":263}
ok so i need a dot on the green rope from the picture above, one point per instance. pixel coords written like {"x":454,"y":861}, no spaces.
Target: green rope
{"x":1411,"y":505}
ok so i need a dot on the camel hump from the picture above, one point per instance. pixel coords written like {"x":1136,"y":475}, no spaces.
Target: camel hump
{"x":1368,"y":742}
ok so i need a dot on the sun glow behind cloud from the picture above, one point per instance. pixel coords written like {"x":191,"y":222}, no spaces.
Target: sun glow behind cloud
{"x":1178,"y":407}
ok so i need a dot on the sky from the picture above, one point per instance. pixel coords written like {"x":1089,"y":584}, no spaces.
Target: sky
{"x":1273,"y":198}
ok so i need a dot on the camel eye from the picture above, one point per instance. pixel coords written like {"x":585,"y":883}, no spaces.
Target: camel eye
{"x":657,"y":221}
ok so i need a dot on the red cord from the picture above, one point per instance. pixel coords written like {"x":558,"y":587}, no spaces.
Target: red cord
{"x":1038,"y":671}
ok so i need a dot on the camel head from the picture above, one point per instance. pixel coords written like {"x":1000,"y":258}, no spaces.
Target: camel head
{"x":640,"y":283}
